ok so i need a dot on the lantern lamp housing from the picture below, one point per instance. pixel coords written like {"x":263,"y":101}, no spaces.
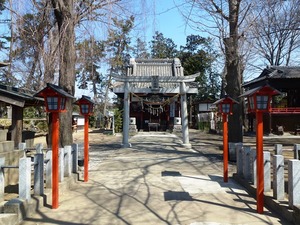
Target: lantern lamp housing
{"x":259,"y":99}
{"x":225,"y":105}
{"x":55,"y":98}
{"x":86,"y":105}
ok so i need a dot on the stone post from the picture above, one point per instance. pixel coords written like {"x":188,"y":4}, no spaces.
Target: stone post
{"x":184,"y":116}
{"x":236,"y":146}
{"x":278,"y":149}
{"x":246,"y":163}
{"x":267,"y":171}
{"x":67,"y":160}
{"x":39,"y":148}
{"x":2,"y":179}
{"x":22,"y":146}
{"x":239,"y":159}
{"x":253,"y":166}
{"x":48,"y":162}
{"x":278,"y":177}
{"x":61,"y":164}
{"x":294,"y":182}
{"x":74,"y":158}
{"x":232,"y":151}
{"x":24,"y":178}
{"x":296,"y":151}
{"x":38,"y":174}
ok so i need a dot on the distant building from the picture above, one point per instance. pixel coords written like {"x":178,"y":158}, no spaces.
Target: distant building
{"x":285,"y":109}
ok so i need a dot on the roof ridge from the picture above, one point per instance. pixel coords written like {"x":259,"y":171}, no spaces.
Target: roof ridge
{"x":285,"y":67}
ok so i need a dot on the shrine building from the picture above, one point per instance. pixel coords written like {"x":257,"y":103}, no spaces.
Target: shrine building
{"x":155,"y":93}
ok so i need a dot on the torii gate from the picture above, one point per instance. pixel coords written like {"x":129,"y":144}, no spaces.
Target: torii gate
{"x":182,"y":80}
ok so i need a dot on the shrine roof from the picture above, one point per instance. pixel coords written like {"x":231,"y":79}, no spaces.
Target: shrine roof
{"x":168,"y":73}
{"x":155,"y":67}
{"x":279,"y":76}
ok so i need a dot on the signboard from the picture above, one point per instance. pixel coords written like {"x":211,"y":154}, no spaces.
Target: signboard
{"x":155,"y":83}
{"x":172,"y":109}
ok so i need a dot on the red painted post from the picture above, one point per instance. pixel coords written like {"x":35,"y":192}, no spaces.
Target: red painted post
{"x":260,"y":162}
{"x":55,"y":161}
{"x":225,"y":147}
{"x":86,"y":148}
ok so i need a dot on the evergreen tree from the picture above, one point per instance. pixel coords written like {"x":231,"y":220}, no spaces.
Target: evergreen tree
{"x":90,"y":54}
{"x":140,"y":50}
{"x":162,"y":47}
{"x":198,"y":56}
{"x":118,"y":46}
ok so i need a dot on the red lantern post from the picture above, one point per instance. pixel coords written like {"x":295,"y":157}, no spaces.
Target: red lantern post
{"x":55,"y":101}
{"x":225,"y":108}
{"x":259,"y":102}
{"x":86,"y":108}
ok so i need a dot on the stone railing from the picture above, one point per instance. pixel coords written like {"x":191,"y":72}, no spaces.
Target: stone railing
{"x":35,"y":170}
{"x":278,"y":173}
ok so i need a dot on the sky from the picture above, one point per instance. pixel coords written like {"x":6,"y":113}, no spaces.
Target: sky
{"x":168,"y":20}
{"x":162,"y":16}
{"x":159,"y":15}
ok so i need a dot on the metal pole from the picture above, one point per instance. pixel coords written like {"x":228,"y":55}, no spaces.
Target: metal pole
{"x":86,"y":148}
{"x":55,"y":163}
{"x":260,"y":162}
{"x":225,"y":147}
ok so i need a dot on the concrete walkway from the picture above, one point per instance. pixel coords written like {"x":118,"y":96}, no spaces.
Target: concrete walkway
{"x":157,"y":181}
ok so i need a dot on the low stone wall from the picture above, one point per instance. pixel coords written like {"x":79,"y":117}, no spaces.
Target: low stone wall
{"x":12,"y":159}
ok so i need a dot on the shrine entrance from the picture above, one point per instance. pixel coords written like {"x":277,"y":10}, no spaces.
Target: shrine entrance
{"x":154,"y":112}
{"x":155,"y":92}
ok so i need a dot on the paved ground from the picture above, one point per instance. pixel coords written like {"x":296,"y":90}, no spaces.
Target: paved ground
{"x":155,"y":182}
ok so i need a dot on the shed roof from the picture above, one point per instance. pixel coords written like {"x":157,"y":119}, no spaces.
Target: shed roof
{"x":18,"y":96}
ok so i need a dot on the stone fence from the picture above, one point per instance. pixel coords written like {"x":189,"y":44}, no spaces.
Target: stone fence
{"x":35,"y":170}
{"x":277,"y":174}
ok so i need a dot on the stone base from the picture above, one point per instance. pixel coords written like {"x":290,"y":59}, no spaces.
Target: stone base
{"x":177,"y":127}
{"x":132,"y":128}
{"x":187,"y":145}
{"x":126,"y":145}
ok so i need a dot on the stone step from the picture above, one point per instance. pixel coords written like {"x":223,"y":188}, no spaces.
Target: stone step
{"x":8,"y":219}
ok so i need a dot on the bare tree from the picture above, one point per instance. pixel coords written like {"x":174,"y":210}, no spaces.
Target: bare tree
{"x":222,"y":19}
{"x":274,"y":32}
{"x":68,"y":14}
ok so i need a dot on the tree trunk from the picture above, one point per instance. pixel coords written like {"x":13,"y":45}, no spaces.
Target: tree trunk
{"x":63,"y":11}
{"x":234,"y":74}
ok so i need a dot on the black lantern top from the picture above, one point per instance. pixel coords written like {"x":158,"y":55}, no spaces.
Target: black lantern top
{"x":55,"y":98}
{"x":86,"y":105}
{"x":225,"y":105}
{"x":259,"y":98}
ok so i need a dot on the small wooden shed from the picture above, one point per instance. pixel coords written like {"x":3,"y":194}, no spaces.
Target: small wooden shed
{"x":18,"y":99}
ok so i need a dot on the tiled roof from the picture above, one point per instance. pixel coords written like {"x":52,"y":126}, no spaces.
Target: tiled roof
{"x":276,"y":72}
{"x":154,"y":67}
